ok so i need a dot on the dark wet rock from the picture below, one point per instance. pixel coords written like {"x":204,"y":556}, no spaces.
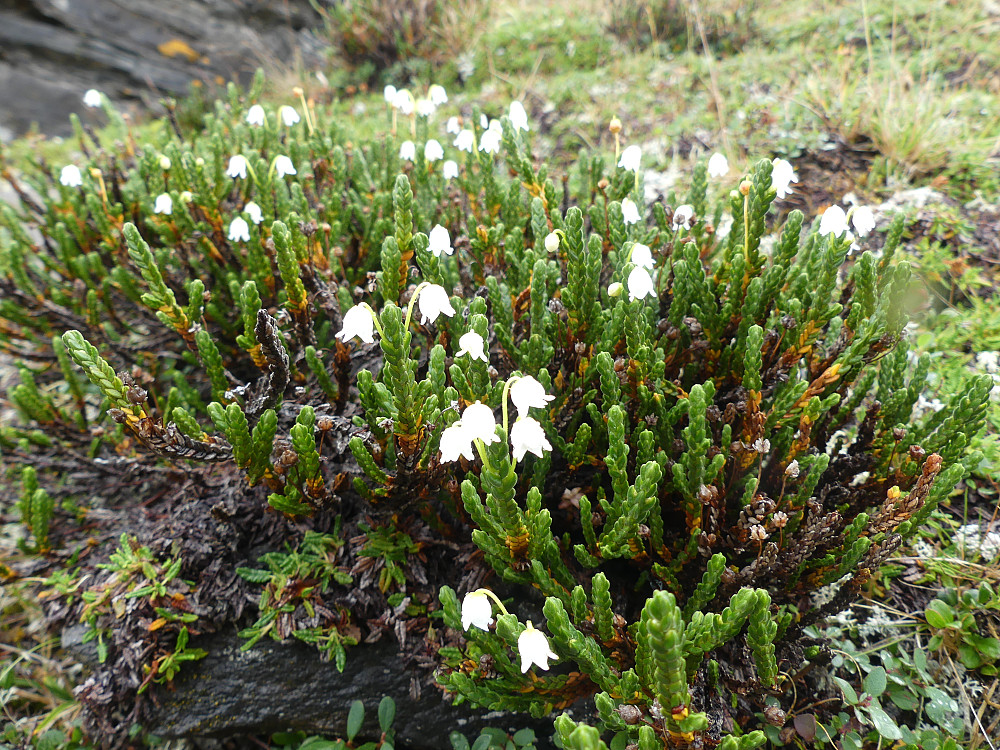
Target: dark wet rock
{"x":285,"y":686}
{"x":137,"y":51}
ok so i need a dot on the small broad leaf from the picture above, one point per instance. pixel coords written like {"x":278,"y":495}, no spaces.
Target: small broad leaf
{"x":458,"y":741}
{"x":386,"y":713}
{"x":805,"y":725}
{"x":355,"y":717}
{"x":884,"y":724}
{"x":938,"y":614}
{"x":524,"y":736}
{"x":875,"y":682}
{"x":969,"y":655}
{"x":482,"y":742}
{"x":850,"y":696}
{"x":903,"y":698}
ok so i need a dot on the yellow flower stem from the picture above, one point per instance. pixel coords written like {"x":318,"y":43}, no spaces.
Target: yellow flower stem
{"x":481,"y":448}
{"x":253,"y":174}
{"x":409,"y":308}
{"x":305,"y":110}
{"x":378,"y":324}
{"x":494,"y":597}
{"x":746,"y":230}
{"x":95,"y":173}
{"x":506,"y":391}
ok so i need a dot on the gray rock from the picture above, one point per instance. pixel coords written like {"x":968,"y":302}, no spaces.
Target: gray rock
{"x":284,"y":686}
{"x":51,"y":51}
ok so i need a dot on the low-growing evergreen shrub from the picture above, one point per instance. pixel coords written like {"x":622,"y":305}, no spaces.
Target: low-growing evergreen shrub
{"x":711,"y":447}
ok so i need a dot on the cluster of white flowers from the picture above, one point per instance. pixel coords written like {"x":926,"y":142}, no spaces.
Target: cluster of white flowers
{"x":837,"y":222}
{"x":532,"y":644}
{"x":403,"y":101}
{"x":478,"y":422}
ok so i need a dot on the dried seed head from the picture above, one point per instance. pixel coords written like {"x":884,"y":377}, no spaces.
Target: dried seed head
{"x":917,"y":453}
{"x":758,"y":534}
{"x":792,"y":470}
{"x":630,"y":714}
{"x":780,"y":519}
{"x":775,"y":716}
{"x":898,"y":433}
{"x":324,"y":423}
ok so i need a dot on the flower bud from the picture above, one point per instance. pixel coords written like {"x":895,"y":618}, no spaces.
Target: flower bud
{"x":615,"y":289}
{"x":551,"y":242}
{"x":164,"y":163}
{"x":615,"y":126}
{"x":745,"y":187}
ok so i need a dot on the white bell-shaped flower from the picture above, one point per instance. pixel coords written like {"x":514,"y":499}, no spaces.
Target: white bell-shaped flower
{"x":683,"y":215}
{"x":439,"y":241}
{"x":465,"y":141}
{"x":70,"y":176}
{"x":237,"y":166}
{"x":403,"y":101}
{"x":164,"y":204}
{"x":630,"y":212}
{"x":528,"y":436}
{"x":432,"y":302}
{"x":256,"y":115}
{"x":533,"y":648}
{"x":407,"y":151}
{"x":477,"y":611}
{"x":252,"y":210}
{"x":833,"y":221}
{"x":479,"y":423}
{"x":358,"y":322}
{"x":433,"y":150}
{"x":491,"y":138}
{"x":630,"y":159}
{"x":437,"y":94}
{"x":449,"y":170}
{"x":718,"y":165}
{"x":642,"y":256}
{"x":288,"y":115}
{"x":239,"y":230}
{"x":92,"y":98}
{"x":863,"y":220}
{"x":551,"y":242}
{"x":456,"y":442}
{"x":640,"y":284}
{"x":389,"y":94}
{"x":425,"y":107}
{"x":471,"y":344}
{"x":527,"y":393}
{"x":518,"y":117}
{"x":452,"y":126}
{"x":782,"y":176}
{"x":283,"y":165}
